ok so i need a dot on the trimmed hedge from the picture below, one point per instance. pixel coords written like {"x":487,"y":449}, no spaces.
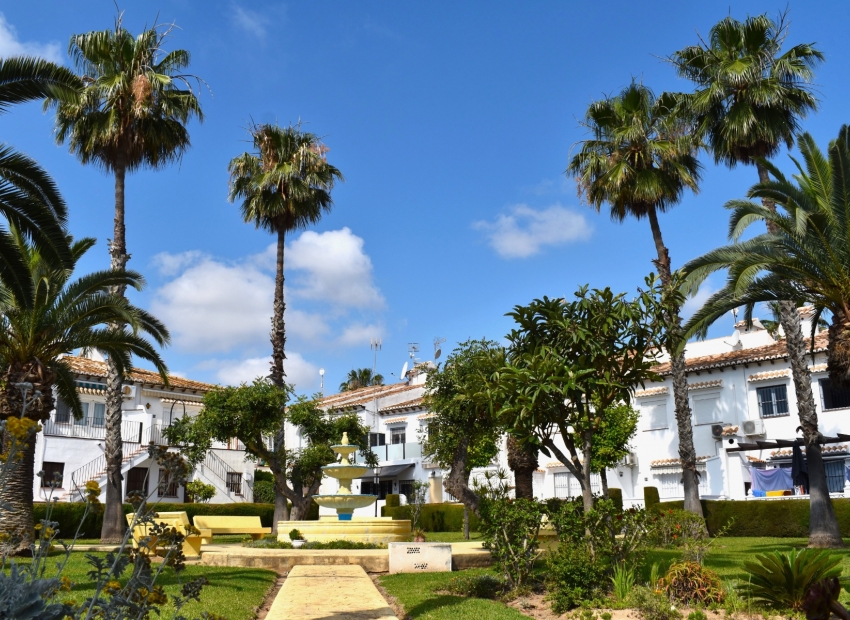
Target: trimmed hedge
{"x":650,"y":497}
{"x":774,"y":518}
{"x":393,"y":500}
{"x":68,"y":515}
{"x":435,"y":517}
{"x":616,"y":496}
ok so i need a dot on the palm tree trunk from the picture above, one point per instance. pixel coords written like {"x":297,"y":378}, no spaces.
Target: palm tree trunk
{"x":687,"y":452}
{"x":16,"y":498}
{"x":823,"y":525}
{"x":838,"y":351}
{"x":113,"y":516}
{"x":278,"y":329}
{"x":522,"y":459}
{"x":278,"y":467}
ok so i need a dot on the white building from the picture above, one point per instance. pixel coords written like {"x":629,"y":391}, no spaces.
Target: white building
{"x":74,"y":448}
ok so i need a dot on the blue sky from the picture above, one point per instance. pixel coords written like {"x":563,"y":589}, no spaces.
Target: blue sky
{"x":452,"y":124}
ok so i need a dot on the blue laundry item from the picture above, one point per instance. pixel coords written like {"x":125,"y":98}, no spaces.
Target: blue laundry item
{"x":757,"y":493}
{"x":777,"y":479}
{"x":847,"y":472}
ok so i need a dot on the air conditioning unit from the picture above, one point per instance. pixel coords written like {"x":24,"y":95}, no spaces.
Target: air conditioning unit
{"x":717,"y":431}
{"x":753,"y":427}
{"x":630,"y":460}
{"x":128,"y":391}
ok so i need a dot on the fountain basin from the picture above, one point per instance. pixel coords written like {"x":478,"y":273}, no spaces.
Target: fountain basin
{"x":380,"y":530}
{"x":343,"y":471}
{"x":345,"y":504}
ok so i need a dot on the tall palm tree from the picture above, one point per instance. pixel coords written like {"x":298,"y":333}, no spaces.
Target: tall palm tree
{"x":639,"y":161}
{"x":60,"y":316}
{"x":749,"y":100}
{"x":29,"y":199}
{"x":804,"y":257}
{"x":360,"y":377}
{"x":284,"y":185}
{"x":131,"y":114}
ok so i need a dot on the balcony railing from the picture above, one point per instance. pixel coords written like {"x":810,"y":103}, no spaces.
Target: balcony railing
{"x":130,"y":431}
{"x":394,"y":452}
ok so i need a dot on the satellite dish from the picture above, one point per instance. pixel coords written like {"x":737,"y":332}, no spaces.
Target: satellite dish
{"x":403,"y":370}
{"x":437,"y":354}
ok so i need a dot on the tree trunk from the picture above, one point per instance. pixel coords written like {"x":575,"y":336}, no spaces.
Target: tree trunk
{"x":823,"y":525}
{"x":457,"y":482}
{"x":16,"y":498}
{"x":838,"y":351}
{"x":603,"y":479}
{"x":114,"y":522}
{"x":278,"y":335}
{"x":687,"y":452}
{"x":587,"y":491}
{"x":522,"y":459}
{"x":465,"y":523}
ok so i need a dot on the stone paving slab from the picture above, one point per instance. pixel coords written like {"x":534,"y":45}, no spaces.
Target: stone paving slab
{"x":329,"y":592}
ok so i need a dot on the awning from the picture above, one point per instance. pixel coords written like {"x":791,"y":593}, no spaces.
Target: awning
{"x":388,"y":471}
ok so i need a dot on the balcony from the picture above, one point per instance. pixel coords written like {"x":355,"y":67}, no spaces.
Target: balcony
{"x":394,"y":452}
{"x":130,"y":431}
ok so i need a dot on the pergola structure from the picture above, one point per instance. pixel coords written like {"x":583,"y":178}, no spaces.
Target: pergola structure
{"x":785,"y":443}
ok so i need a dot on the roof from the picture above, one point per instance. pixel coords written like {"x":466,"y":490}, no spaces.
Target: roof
{"x":94,"y":368}
{"x":767,"y":353}
{"x":416,"y":403}
{"x":360,"y":397}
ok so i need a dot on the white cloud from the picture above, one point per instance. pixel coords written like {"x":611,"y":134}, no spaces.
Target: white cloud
{"x":525,"y":231}
{"x":171,"y":264}
{"x":10,"y":45}
{"x":360,"y":334}
{"x":333,"y":268}
{"x":694,"y":303}
{"x":252,"y":22}
{"x":299,"y":371}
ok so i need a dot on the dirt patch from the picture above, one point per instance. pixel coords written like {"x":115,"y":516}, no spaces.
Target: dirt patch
{"x":536,"y":606}
{"x":398,"y":610}
{"x":263,"y":610}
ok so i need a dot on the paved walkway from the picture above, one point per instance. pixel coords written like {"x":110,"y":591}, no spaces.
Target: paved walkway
{"x":329,"y":592}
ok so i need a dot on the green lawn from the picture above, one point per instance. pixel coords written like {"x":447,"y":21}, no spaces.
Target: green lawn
{"x":451,"y":537}
{"x":232,"y":592}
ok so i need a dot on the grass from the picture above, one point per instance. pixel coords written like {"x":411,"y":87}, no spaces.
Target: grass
{"x":416,"y":593}
{"x":232,"y":592}
{"x":451,"y":537}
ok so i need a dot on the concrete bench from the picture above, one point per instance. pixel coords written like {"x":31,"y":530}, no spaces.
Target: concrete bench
{"x":231,"y":525}
{"x":179,"y":521}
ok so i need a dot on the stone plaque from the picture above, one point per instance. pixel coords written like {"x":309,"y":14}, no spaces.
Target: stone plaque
{"x":414,"y":557}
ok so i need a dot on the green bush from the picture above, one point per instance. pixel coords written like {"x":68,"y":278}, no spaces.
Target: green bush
{"x":650,"y":497}
{"x":781,"y":580}
{"x":653,"y":606}
{"x":436,"y":517}
{"x":776,"y":519}
{"x":616,"y":496}
{"x":264,"y":491}
{"x":690,"y":582}
{"x":477,"y":586}
{"x":573,"y":577}
{"x":265,"y":476}
{"x":509,"y":528}
{"x":393,"y":500}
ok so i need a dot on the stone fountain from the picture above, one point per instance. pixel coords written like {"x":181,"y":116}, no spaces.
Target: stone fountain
{"x":345,"y":525}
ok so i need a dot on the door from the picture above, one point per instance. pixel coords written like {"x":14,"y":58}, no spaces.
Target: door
{"x":137,"y":480}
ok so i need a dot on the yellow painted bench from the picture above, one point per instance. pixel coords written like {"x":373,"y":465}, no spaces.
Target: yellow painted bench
{"x":231,"y":525}
{"x":179,"y":521}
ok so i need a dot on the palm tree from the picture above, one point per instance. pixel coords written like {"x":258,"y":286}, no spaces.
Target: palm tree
{"x":284,"y":186}
{"x":804,"y":257}
{"x":360,"y":378}
{"x":29,"y":200}
{"x":639,"y":161}
{"x":131,"y":114}
{"x":60,"y":316}
{"x":750,"y":97}
{"x":522,"y":461}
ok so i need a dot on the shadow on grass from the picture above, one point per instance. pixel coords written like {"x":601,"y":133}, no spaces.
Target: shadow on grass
{"x":434,"y":603}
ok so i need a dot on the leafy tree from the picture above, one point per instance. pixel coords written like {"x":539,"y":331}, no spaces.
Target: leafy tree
{"x":259,"y":412}
{"x":199,"y":491}
{"x":806,"y":257}
{"x":464,"y":433}
{"x":611,"y":442}
{"x":29,"y":199}
{"x":639,"y":161}
{"x":571,"y":362}
{"x":284,"y":186}
{"x":131,"y":114}
{"x":359,"y":378}
{"x":60,"y":316}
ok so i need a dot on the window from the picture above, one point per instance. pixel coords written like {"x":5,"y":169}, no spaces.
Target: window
{"x":137,"y":480}
{"x":834,"y":476}
{"x":707,"y":409}
{"x":773,"y":401}
{"x":405,"y":487}
{"x":166,"y":488}
{"x":567,"y":485}
{"x":382,"y":489}
{"x":398,"y":435}
{"x":82,"y":421}
{"x":655,"y":415}
{"x":833,"y":397}
{"x":99,"y":414}
{"x":63,"y":412}
{"x":234,"y":482}
{"x":53,"y":473}
{"x":562,"y":485}
{"x":377,"y":439}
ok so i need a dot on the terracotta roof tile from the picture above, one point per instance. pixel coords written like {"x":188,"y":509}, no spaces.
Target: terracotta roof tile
{"x":743,"y":356}
{"x":770,"y":374}
{"x":358,"y":398}
{"x":416,"y":403}
{"x":93,"y":368}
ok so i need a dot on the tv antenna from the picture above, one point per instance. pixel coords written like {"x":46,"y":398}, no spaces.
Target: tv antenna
{"x":437,"y":348}
{"x":412,"y":350}
{"x":375,"y":345}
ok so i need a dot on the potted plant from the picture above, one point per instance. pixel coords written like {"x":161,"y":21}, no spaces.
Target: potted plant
{"x":418,"y":535}
{"x":296,"y":538}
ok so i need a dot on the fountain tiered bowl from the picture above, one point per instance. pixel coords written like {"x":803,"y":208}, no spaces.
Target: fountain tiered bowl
{"x":345,"y":526}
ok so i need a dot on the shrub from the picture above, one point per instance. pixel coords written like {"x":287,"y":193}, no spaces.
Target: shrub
{"x":781,"y":580}
{"x":477,"y":586}
{"x":623,"y":580}
{"x":509,"y":528}
{"x":273,"y":543}
{"x":436,"y":517}
{"x":295,"y":534}
{"x":650,"y":497}
{"x":690,"y":582}
{"x":680,"y":528}
{"x":652,"y":605}
{"x":616,"y":496}
{"x":199,"y":491}
{"x":573,"y":576}
{"x":393,"y":500}
{"x":264,"y":491}
{"x":697,"y":614}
